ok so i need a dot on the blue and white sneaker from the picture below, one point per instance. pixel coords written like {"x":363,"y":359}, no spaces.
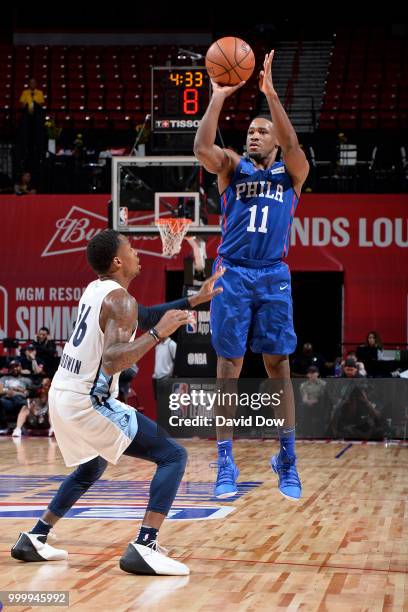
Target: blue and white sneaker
{"x":289,"y":481}
{"x":226,"y":483}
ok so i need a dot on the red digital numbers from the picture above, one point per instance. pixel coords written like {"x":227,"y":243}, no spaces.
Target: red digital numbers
{"x":190,"y":101}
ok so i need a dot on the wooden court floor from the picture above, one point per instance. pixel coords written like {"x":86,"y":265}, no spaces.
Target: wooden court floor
{"x":344,"y":547}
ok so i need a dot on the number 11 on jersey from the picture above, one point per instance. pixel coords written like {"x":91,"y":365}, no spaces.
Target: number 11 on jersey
{"x":262,"y":228}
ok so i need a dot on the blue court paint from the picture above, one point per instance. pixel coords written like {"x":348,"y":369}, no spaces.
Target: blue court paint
{"x":343,"y":451}
{"x":117,"y":491}
{"x":119,"y":513}
{"x":194,"y":500}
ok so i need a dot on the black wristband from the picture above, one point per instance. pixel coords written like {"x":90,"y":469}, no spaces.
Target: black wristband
{"x":153,"y":332}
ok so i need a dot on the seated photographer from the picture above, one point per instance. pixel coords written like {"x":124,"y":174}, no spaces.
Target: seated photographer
{"x":355,"y":415}
{"x":351,"y":355}
{"x":14,"y":390}
{"x":33,"y":416}
{"x":30,"y":364}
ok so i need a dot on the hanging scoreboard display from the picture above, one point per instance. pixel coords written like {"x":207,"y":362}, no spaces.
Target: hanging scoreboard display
{"x":180,"y":96}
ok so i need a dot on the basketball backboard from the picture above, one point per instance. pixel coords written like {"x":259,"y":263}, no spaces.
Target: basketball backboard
{"x":146,"y":188}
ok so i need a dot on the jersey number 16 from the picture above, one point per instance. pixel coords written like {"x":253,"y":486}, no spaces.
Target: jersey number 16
{"x":81,"y":326}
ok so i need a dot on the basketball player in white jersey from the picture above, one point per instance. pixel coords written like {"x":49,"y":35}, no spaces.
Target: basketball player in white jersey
{"x":91,"y":426}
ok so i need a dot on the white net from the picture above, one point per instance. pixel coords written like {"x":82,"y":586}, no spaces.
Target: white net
{"x":172,"y":232}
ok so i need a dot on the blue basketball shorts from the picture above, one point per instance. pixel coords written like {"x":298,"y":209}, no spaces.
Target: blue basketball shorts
{"x":255,"y":306}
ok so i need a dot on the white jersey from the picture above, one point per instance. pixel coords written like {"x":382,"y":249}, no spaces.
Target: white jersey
{"x":80,"y":365}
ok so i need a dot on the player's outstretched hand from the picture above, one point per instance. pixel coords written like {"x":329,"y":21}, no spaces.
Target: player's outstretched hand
{"x":207,"y":291}
{"x":172,"y":320}
{"x":225,"y":90}
{"x":265,"y":76}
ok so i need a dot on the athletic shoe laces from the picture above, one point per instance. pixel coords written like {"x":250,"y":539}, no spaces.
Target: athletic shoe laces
{"x":154,"y":545}
{"x":225,"y":470}
{"x":287,"y":470}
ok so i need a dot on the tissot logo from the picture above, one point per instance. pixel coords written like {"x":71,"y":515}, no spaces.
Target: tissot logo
{"x":177,"y":123}
{"x":74,"y":231}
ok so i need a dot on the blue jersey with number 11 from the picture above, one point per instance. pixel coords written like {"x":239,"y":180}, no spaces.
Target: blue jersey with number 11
{"x":257,"y":209}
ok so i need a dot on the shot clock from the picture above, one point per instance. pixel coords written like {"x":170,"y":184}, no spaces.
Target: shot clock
{"x":180,"y":96}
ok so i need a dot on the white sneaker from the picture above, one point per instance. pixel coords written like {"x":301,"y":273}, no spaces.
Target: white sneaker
{"x":33,"y":547}
{"x":150,"y":560}
{"x":50,"y":432}
{"x":17,"y":432}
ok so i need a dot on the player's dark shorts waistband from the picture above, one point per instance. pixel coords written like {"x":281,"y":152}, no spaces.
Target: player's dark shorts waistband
{"x":250,"y":263}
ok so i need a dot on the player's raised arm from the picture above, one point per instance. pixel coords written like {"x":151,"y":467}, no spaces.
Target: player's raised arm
{"x":118,"y":316}
{"x":215,"y":159}
{"x":148,"y":316}
{"x":294,"y":157}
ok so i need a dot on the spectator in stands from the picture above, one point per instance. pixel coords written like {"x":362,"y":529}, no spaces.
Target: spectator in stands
{"x":374,"y":342}
{"x":14,"y":390}
{"x":350,"y":369}
{"x":30,"y":365}
{"x":24,"y":186}
{"x":43,"y":397}
{"x":370,"y":352}
{"x":351,"y":355}
{"x":313,"y":420}
{"x":31,"y":97}
{"x":46,"y":351}
{"x":44,"y":389}
{"x":31,"y":136}
{"x":312,"y":389}
{"x":34,"y":416}
{"x":307,"y":358}
{"x":165,"y":355}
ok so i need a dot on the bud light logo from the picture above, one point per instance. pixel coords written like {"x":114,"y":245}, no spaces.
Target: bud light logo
{"x":191,"y":327}
{"x":74,"y":231}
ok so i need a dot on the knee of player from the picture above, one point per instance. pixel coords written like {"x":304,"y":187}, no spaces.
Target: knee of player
{"x":100,"y":467}
{"x":277,"y":365}
{"x":182,"y":457}
{"x":92,"y":470}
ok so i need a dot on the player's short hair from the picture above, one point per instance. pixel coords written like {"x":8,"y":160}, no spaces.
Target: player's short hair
{"x":102,"y":249}
{"x":264,"y":116}
{"x":43,"y":328}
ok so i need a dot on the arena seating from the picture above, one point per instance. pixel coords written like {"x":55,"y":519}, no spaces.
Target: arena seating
{"x":97,"y":87}
{"x":367,"y":85}
{"x":109,"y":87}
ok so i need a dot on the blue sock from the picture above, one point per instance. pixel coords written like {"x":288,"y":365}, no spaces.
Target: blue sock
{"x":146,"y":535}
{"x":225,"y":448}
{"x":41,"y":528}
{"x":287,"y":440}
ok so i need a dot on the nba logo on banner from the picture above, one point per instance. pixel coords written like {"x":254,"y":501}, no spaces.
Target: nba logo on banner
{"x":3,"y":312}
{"x":191,"y":327}
{"x":123,"y":215}
{"x":180,"y":388}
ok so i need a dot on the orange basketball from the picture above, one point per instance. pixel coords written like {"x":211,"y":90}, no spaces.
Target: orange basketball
{"x":229,"y":61}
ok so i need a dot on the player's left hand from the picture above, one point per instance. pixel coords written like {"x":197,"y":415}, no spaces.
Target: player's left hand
{"x":207,"y":291}
{"x":265,"y":76}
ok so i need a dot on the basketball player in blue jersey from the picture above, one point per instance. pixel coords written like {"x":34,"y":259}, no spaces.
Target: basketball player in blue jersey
{"x":258,"y":201}
{"x":91,"y":426}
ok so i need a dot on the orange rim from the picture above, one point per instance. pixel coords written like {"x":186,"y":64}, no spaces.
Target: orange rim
{"x":174,"y":224}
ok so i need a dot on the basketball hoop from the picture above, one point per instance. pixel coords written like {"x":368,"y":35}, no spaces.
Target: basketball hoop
{"x":172,"y":232}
